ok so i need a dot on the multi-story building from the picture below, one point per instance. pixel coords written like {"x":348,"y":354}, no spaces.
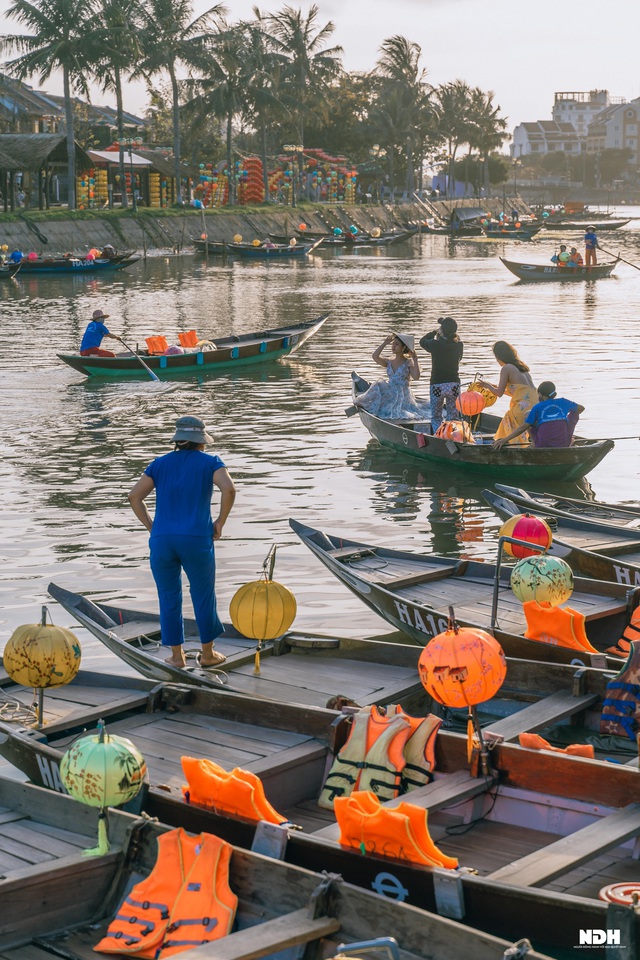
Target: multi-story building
{"x":544,"y":136}
{"x":615,"y":128}
{"x":579,"y":109}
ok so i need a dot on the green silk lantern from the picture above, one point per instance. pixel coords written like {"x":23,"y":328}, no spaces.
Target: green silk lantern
{"x":103,"y":770}
{"x":543,"y":579}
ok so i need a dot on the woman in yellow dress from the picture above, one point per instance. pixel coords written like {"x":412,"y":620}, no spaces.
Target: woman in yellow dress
{"x":515,"y":380}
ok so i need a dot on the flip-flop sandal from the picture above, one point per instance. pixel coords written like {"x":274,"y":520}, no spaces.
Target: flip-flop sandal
{"x":220,"y":659}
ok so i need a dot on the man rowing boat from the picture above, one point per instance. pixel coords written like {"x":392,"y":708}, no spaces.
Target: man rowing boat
{"x":94,"y":334}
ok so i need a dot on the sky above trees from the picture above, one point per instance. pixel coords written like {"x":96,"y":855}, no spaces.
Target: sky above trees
{"x":523,"y":52}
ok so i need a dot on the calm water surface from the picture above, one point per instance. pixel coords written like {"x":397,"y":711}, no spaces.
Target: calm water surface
{"x":71,"y":449}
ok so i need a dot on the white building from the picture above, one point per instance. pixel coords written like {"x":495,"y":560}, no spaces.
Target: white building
{"x":579,"y":109}
{"x":544,"y":136}
{"x":616,"y":128}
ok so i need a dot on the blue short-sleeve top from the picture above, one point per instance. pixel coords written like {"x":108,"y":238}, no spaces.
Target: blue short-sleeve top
{"x":184,"y":486}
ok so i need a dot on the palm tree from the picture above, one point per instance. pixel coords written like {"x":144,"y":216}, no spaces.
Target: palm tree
{"x":119,"y":21}
{"x":220,"y":88}
{"x":405,"y":80}
{"x":168,"y":38}
{"x":487,"y":128}
{"x":310,"y":66}
{"x":452,"y":103}
{"x":61,"y":37}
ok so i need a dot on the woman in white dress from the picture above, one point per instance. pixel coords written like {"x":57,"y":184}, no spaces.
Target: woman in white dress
{"x":393,"y":399}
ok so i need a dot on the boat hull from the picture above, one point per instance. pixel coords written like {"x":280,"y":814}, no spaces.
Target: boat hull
{"x":543,"y":273}
{"x":61,"y":266}
{"x":513,"y":460}
{"x":230,"y":353}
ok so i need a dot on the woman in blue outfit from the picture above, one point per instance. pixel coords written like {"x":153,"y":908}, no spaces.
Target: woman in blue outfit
{"x":183,"y":533}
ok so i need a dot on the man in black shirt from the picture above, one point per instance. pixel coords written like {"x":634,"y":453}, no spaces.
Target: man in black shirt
{"x":445,"y":348}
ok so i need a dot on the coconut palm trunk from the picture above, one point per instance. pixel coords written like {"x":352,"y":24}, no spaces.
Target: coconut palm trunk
{"x":175,"y":115}
{"x":71,"y":143}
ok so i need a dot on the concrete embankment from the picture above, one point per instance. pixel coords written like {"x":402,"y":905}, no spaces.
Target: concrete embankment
{"x":149,"y":233}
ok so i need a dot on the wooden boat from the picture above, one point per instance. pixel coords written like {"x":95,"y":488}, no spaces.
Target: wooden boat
{"x":360,"y":240}
{"x":581,"y":225}
{"x":413,"y":592}
{"x":374,"y":673}
{"x":72,"y":264}
{"x":8,"y":270}
{"x":57,"y":903}
{"x":416,"y":439}
{"x":535,"y":818}
{"x":209,"y":247}
{"x":541,"y":273}
{"x":227,"y":353}
{"x":618,"y":514}
{"x":509,"y":231}
{"x":601,"y":548}
{"x":277,"y":251}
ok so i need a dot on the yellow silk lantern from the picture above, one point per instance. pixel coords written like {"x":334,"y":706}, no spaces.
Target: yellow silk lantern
{"x":489,"y":396}
{"x":237,"y":238}
{"x":375,"y":232}
{"x":256,"y":242}
{"x":543,"y":579}
{"x":103,"y":770}
{"x":263,"y":609}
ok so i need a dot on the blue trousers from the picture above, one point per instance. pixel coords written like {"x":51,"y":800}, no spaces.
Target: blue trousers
{"x":170,"y":555}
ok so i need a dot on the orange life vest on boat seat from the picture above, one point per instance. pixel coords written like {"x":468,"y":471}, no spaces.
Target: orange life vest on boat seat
{"x":560,"y":626}
{"x":456,"y":430}
{"x":535,"y":742}
{"x":387,"y":754}
{"x":238,"y":792}
{"x":401,"y":832}
{"x":621,"y":706}
{"x":631,"y":633}
{"x":184,"y":902}
{"x":188,"y":339}
{"x":156,"y":345}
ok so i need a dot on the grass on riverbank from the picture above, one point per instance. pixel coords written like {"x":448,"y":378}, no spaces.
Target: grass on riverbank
{"x":155,"y":213}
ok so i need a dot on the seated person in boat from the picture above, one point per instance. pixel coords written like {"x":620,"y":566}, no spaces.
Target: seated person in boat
{"x":269,"y":244}
{"x":108,"y":253}
{"x":93,"y":336}
{"x":551,"y":422}
{"x":393,"y":399}
{"x":575,"y":259}
{"x":561,"y":259}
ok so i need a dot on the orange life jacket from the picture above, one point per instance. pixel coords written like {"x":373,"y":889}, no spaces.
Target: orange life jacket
{"x":534,"y":742}
{"x":419,"y":750}
{"x":401,"y":832}
{"x":156,"y":345}
{"x":371,"y":759}
{"x":238,"y":792}
{"x":621,"y":706}
{"x":184,"y":902}
{"x":188,"y":339}
{"x":456,"y":430}
{"x":631,"y":633}
{"x":560,"y":626}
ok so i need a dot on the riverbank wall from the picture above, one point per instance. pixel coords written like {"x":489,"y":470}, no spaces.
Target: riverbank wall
{"x":163,"y":232}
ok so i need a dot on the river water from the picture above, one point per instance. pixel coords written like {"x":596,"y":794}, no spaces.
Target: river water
{"x":71,"y":449}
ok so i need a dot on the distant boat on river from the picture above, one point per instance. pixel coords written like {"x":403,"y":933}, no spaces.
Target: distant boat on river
{"x":542,"y":272}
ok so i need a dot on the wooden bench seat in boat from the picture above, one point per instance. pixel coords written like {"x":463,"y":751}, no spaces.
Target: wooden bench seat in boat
{"x":133,"y":629}
{"x":569,"y":852}
{"x":272,"y":936}
{"x":442,"y":793}
{"x":552,"y":709}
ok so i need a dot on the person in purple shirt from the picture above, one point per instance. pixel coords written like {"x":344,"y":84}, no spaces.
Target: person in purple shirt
{"x":94,"y":334}
{"x":551,"y":422}
{"x":183,"y":533}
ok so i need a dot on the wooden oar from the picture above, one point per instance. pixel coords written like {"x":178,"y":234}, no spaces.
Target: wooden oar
{"x":138,"y":357}
{"x":618,"y":257}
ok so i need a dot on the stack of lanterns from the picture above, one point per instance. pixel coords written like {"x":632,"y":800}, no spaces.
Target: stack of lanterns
{"x":155,"y":199}
{"x":251,"y":186}
{"x":101,"y":186}
{"x":82,"y":191}
{"x":351,"y":179}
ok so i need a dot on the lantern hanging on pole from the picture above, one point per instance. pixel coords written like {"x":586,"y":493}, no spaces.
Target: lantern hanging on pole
{"x":543,"y":579}
{"x":41,"y":655}
{"x":525,"y":527}
{"x":470,"y":403}
{"x":460,"y":668}
{"x":103,"y":770}
{"x":264,"y":609}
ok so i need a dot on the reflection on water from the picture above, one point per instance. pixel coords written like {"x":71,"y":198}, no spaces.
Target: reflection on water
{"x":71,"y":448}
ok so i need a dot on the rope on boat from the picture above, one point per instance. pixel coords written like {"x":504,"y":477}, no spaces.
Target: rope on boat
{"x":12,"y":711}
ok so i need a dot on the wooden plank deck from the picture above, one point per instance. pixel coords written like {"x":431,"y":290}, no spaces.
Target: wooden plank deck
{"x":552,"y":709}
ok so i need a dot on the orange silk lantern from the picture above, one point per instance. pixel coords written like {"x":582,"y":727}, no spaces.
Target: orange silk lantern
{"x":525,"y":527}
{"x":462,"y":667}
{"x":470,"y":403}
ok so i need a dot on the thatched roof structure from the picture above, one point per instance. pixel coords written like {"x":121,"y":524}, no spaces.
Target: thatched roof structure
{"x":166,"y":165}
{"x":7,"y":163}
{"x":30,"y":151}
